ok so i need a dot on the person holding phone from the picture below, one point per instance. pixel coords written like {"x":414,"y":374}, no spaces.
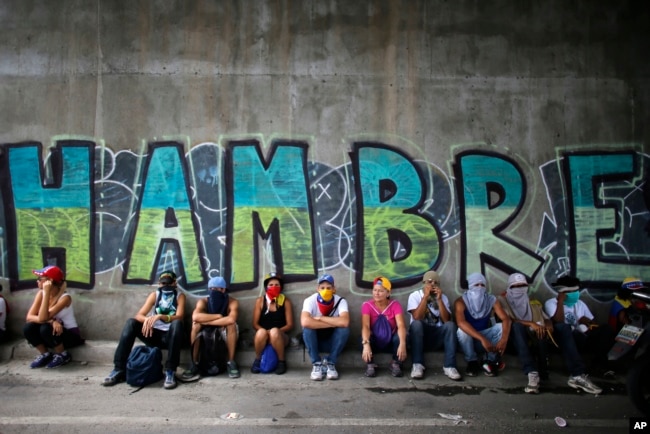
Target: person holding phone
{"x":431,"y":326}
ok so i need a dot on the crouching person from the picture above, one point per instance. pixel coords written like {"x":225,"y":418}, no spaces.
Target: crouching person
{"x":325,"y":324}
{"x":158,"y":323}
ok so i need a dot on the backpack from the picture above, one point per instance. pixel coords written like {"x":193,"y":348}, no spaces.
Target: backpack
{"x":382,"y":332}
{"x":212,"y":351}
{"x":144,"y":366}
{"x":268,"y":360}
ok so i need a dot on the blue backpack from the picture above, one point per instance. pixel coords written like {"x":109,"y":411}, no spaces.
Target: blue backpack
{"x":269,"y":359}
{"x":144,"y":366}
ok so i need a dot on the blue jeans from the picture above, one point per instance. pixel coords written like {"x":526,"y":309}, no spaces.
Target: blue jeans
{"x":333,"y":344}
{"x":391,"y":347}
{"x":171,"y":340}
{"x":426,"y":337}
{"x":521,"y":337}
{"x":565,"y":339}
{"x":472,"y":347}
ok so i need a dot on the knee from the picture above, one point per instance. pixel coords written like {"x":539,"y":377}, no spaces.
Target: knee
{"x":416,"y":327}
{"x":450,"y":327}
{"x":176,"y":326}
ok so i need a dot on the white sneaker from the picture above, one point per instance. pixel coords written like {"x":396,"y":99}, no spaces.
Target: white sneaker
{"x":533,"y":382}
{"x":332,"y":373}
{"x":452,"y":373}
{"x":584,"y":383}
{"x":317,"y":372}
{"x":417,"y":371}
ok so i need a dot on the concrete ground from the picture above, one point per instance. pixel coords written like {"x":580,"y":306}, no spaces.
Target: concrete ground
{"x":70,"y":399}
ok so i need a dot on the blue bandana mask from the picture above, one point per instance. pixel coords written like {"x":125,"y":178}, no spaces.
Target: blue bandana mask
{"x":571,"y":298}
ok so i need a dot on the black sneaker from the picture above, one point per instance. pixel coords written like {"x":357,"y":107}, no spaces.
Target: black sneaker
{"x":116,"y":376}
{"x":233,"y":370}
{"x":473,"y":368}
{"x":256,"y":368}
{"x":282,"y":367}
{"x":191,"y":374}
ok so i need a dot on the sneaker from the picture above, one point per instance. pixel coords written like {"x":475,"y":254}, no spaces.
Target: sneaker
{"x":116,"y":376}
{"x":584,"y":383}
{"x":491,"y":369}
{"x":317,"y":371}
{"x":170,"y":380}
{"x":282,"y":367}
{"x":332,"y":373}
{"x":233,"y":369}
{"x":533,"y":383}
{"x":370,"y":370}
{"x":41,"y":360}
{"x":256,"y":369}
{"x":191,"y":374}
{"x":395,"y":368}
{"x":452,"y":373}
{"x":473,"y":368}
{"x":59,"y":359}
{"x":417,"y":371}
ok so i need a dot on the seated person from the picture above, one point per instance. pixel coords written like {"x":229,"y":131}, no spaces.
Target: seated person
{"x":272,"y":320}
{"x":529,"y":324}
{"x":218,"y":310}
{"x":431,"y":326}
{"x":4,"y":310}
{"x":473,"y":312}
{"x":389,"y":337}
{"x":51,"y":323}
{"x":158,"y":323}
{"x":325,"y":324}
{"x":574,"y":331}
{"x":619,"y":310}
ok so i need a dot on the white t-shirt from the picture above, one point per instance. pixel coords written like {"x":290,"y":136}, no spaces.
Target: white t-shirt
{"x":571,"y":314}
{"x":434,"y":319}
{"x":311,"y":305}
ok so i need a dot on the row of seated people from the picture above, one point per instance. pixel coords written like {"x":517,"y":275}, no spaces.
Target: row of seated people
{"x":522,"y":325}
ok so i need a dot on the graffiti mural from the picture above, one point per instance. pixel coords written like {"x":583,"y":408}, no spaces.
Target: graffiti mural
{"x":243,"y":208}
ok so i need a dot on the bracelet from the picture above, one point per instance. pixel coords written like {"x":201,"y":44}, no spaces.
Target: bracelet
{"x":365,"y":342}
{"x":169,"y":318}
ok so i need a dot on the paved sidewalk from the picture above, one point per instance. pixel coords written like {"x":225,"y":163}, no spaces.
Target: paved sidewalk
{"x":70,"y":399}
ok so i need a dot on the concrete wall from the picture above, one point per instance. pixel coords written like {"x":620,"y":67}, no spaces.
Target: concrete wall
{"x":357,"y":138}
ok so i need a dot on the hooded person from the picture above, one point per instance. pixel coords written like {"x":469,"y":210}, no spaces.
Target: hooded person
{"x":218,"y":312}
{"x":325,"y":322}
{"x":476,"y":334}
{"x":575,"y":331}
{"x":272,"y":320}
{"x":529,"y":324}
{"x":431,"y":326}
{"x":158,"y":323}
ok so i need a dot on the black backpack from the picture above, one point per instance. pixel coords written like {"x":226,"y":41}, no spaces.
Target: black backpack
{"x":212,"y":351}
{"x":144,"y":366}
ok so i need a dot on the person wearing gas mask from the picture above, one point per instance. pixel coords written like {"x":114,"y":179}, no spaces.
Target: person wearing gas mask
{"x":158,"y":323}
{"x":272,"y":320}
{"x":575,"y":330}
{"x":529,"y":324}
{"x":325,"y":322}
{"x":219,"y":310}
{"x":474,"y":311}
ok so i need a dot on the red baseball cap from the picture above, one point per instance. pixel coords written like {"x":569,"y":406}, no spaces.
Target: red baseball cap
{"x":51,"y":272}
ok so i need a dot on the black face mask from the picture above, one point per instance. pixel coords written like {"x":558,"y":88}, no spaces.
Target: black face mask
{"x":217,"y":302}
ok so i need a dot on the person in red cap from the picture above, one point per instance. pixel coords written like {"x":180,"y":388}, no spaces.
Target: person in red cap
{"x":272,"y":320}
{"x":51,"y":323}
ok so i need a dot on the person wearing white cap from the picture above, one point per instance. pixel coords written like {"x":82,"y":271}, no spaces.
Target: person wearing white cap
{"x":325,"y":322}
{"x":431,"y":326}
{"x":218,"y":310}
{"x":474,"y":312}
{"x":529,"y":323}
